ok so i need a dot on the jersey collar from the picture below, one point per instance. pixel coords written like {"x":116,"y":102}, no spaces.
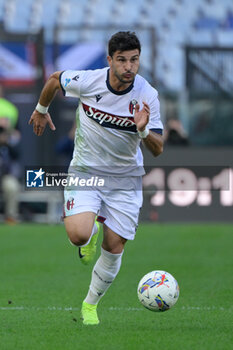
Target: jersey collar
{"x":122,"y":92}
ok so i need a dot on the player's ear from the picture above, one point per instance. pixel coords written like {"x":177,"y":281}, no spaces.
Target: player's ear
{"x":109,"y":59}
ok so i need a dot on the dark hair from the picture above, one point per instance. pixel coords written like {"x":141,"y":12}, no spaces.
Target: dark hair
{"x":123,"y":41}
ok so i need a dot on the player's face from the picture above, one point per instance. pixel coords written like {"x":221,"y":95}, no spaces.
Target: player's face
{"x":124,"y":65}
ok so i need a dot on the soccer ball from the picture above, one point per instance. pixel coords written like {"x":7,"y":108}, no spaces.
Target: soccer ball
{"x":158,"y":291}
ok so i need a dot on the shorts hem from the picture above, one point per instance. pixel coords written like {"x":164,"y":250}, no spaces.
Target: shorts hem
{"x":81,"y":210}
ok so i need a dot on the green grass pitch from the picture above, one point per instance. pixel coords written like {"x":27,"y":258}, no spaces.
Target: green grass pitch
{"x":42,"y":284}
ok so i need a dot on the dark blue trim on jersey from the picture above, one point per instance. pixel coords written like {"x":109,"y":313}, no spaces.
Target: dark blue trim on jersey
{"x":158,"y":131}
{"x":63,"y":90}
{"x":122,"y":92}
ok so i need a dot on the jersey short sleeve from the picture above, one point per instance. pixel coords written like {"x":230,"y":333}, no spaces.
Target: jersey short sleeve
{"x":72,"y":82}
{"x":155,"y":123}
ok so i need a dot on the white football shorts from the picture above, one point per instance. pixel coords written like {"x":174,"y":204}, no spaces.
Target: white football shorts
{"x":117,"y":203}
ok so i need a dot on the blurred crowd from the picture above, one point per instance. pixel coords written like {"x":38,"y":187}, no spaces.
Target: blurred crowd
{"x":9,"y":159}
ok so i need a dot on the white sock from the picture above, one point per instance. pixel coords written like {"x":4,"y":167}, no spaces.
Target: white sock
{"x":103,"y":274}
{"x":94,"y":231}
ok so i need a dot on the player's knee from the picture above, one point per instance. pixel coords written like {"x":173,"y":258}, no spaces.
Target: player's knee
{"x":78,"y":238}
{"x":78,"y":231}
{"x":78,"y":241}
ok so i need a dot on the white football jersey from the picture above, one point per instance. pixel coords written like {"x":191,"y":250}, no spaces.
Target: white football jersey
{"x":106,"y":138}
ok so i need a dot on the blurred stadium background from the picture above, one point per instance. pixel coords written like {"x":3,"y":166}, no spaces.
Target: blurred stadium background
{"x":187,"y":54}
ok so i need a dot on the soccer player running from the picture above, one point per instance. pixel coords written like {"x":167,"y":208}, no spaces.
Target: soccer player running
{"x":118,"y":108}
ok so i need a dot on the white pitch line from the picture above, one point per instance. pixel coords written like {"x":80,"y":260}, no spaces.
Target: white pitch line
{"x":33,"y":308}
{"x":199,"y":308}
{"x":112,"y":308}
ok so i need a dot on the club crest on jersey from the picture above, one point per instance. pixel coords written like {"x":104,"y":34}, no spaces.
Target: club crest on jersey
{"x":70,"y":203}
{"x":110,"y":120}
{"x":132,"y":106}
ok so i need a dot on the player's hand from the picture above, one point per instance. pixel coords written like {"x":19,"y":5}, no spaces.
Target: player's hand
{"x":141,"y":118}
{"x":40,"y":121}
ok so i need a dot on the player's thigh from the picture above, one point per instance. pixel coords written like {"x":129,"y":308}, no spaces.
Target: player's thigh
{"x":112,"y":242}
{"x":79,"y":226}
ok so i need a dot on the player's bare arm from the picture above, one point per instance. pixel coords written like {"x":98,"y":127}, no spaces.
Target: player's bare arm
{"x":41,"y":118}
{"x":153,"y":141}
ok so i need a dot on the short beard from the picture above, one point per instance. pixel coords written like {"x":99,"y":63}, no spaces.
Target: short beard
{"x":122,"y":79}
